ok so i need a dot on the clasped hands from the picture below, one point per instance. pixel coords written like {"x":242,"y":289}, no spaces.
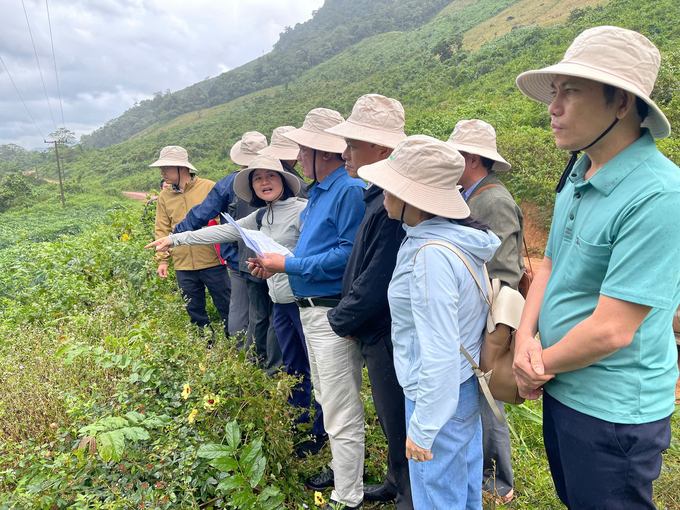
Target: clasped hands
{"x":528,"y":366}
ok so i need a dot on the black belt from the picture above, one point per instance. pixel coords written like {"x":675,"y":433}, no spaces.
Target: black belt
{"x":327,"y":301}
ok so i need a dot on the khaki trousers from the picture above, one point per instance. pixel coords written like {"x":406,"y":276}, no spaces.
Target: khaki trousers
{"x":336,"y":364}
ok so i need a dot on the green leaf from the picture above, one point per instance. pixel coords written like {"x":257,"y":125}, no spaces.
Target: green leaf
{"x":230,"y":483}
{"x":250,"y":453}
{"x":135,"y":433}
{"x":113,"y":422}
{"x":214,"y":451}
{"x":147,"y":375}
{"x":134,"y":377}
{"x":233,"y":434}
{"x":111,"y":445}
{"x":243,"y":499}
{"x":224,"y":464}
{"x":270,"y":498}
{"x":157,"y":421}
{"x":134,"y":417}
{"x":257,"y":470}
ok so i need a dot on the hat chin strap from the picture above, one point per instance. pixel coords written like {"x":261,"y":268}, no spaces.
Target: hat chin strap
{"x":574,"y":157}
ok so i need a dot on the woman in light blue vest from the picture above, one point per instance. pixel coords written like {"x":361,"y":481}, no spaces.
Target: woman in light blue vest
{"x":436,"y":307}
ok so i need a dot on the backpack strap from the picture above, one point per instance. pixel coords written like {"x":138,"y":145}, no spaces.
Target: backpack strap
{"x":479,"y":190}
{"x":260,"y":215}
{"x":482,"y":378}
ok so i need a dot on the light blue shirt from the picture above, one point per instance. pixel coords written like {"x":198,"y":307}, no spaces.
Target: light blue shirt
{"x":435,"y":306}
{"x":327,"y":230}
{"x":618,"y":235}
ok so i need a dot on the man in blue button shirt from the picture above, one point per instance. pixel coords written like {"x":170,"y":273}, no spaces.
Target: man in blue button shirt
{"x":604,"y":299}
{"x":329,"y":226}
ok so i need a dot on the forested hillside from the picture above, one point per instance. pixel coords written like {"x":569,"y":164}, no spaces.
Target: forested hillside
{"x":337,"y":25}
{"x":438,"y":81}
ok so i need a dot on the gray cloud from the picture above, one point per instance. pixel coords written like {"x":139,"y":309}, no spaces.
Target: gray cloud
{"x":111,"y":53}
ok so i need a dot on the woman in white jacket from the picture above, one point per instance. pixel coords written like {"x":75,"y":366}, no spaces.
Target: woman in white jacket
{"x":436,"y":308}
{"x":264,"y":183}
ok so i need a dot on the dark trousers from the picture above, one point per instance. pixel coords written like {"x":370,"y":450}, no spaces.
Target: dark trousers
{"x":388,"y":399}
{"x":600,"y":465}
{"x":193,"y":285}
{"x":238,"y":306}
{"x":498,"y":474}
{"x":296,"y":360}
{"x":261,"y":335}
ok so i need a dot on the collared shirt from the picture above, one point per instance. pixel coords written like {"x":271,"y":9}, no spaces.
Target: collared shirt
{"x":467,"y":192}
{"x":618,"y":234}
{"x":328,"y":227}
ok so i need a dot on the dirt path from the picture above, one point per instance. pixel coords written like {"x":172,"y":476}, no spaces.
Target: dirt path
{"x":43,"y":178}
{"x":138,"y":195}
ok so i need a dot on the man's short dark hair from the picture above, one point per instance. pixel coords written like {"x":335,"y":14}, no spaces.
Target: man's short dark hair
{"x":487,"y":163}
{"x":641,"y":107}
{"x":258,"y":202}
{"x":161,"y":185}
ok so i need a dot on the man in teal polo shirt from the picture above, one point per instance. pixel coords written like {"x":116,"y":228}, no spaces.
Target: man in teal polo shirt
{"x":604,"y":300}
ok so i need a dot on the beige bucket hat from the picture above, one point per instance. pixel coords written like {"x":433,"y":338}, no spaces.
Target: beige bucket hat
{"x":247,"y":147}
{"x":611,"y":55}
{"x":423,"y":172}
{"x":281,"y":147}
{"x":478,"y":137}
{"x":173,"y":155}
{"x":375,"y":119}
{"x":312,"y":134}
{"x":263,"y":162}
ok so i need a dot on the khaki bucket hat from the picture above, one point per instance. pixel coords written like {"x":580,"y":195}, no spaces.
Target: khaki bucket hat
{"x":247,"y":147}
{"x":423,"y":172}
{"x":376,"y":119}
{"x":281,"y":147}
{"x":173,"y":155}
{"x":263,"y":162}
{"x":611,"y":55}
{"x":478,"y":137}
{"x":312,"y":134}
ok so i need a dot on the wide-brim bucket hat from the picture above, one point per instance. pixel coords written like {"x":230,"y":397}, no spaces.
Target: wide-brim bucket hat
{"x":313,"y":134}
{"x":262,"y":162}
{"x":611,"y":55}
{"x":478,"y":137}
{"x":280,"y":146}
{"x":247,"y":147}
{"x":423,"y":172}
{"x":375,"y":119}
{"x":173,"y":155}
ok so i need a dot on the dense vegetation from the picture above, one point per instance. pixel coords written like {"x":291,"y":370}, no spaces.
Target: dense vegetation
{"x":98,"y":352}
{"x":337,"y":25}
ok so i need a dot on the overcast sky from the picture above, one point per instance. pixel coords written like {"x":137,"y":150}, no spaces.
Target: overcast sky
{"x":111,"y":53}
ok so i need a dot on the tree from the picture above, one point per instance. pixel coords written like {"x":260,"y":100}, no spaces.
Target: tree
{"x":63,"y":135}
{"x":11,"y":151}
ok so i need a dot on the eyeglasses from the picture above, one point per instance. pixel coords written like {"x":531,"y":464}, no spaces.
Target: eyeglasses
{"x":166,"y":168}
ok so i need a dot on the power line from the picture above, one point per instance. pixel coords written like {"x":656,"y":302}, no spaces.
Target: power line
{"x":63,"y":123}
{"x":22,"y":99}
{"x":38,"y":61}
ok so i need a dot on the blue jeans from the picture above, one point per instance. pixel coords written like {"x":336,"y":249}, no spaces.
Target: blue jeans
{"x":452,"y":480}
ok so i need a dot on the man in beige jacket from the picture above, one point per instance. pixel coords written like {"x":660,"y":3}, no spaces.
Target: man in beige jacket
{"x":196,"y":267}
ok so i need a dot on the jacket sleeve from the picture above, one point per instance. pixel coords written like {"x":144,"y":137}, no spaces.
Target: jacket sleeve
{"x":502,"y":216}
{"x":434,"y":301}
{"x":217,"y":201}
{"x":225,"y":233}
{"x":331,"y":265}
{"x":162,"y":228}
{"x":368,"y":296}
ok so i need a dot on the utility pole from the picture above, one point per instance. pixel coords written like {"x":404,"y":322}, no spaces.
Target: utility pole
{"x":61,"y":185}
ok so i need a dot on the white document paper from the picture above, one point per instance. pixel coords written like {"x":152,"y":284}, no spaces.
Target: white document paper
{"x":257,"y":241}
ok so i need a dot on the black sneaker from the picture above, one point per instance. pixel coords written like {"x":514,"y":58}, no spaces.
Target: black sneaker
{"x":320,"y":482}
{"x":311,"y":446}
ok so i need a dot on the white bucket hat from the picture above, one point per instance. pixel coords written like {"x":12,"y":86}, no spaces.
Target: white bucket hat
{"x":173,"y":155}
{"x":263,"y":162}
{"x":423,"y":172}
{"x":478,"y":137}
{"x":611,"y":55}
{"x":247,"y":147}
{"x":281,"y":147}
{"x":312,"y":134}
{"x":375,"y":119}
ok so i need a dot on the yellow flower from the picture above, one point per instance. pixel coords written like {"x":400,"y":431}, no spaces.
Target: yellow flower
{"x":186,"y":392}
{"x":192,"y":415}
{"x":210,"y":401}
{"x":318,"y":499}
{"x":125,"y":238}
{"x":202,"y":368}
